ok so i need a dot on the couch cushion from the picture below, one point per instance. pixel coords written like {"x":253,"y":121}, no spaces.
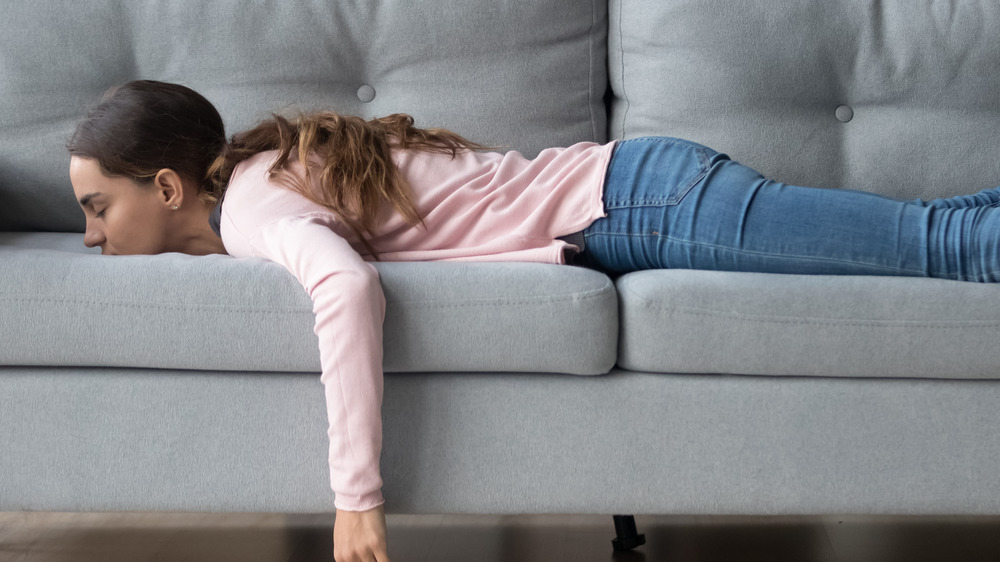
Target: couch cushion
{"x":521,"y":75}
{"x":217,"y":312}
{"x":684,"y":321}
{"x":895,"y":97}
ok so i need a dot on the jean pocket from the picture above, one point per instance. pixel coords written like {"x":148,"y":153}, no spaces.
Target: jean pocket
{"x":656,"y":171}
{"x":681,"y":190}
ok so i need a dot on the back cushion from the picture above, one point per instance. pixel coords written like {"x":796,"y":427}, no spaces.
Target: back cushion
{"x":897,"y":97}
{"x":523,"y":76}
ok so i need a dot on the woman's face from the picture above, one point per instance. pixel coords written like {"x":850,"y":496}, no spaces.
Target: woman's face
{"x":123,"y":217}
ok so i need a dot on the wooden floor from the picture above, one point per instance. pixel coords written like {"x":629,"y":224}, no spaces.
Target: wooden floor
{"x":266,"y":537}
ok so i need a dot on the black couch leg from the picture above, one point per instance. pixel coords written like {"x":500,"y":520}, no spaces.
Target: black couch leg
{"x":628,"y":538}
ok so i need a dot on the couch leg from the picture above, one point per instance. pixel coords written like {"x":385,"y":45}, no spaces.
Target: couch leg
{"x":628,"y":538}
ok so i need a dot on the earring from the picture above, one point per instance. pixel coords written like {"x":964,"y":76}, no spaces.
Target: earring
{"x":176,"y":207}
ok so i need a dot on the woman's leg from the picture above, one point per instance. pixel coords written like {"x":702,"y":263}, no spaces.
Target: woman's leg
{"x":675,"y":204}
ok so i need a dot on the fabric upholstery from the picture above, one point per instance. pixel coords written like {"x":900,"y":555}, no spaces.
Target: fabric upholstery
{"x":683,"y":321}
{"x":627,"y":442}
{"x":502,"y":80}
{"x":896,"y":97}
{"x":222,"y":313}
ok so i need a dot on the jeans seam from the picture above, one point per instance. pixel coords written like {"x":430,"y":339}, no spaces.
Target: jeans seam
{"x":679,"y":195}
{"x":759,"y":253}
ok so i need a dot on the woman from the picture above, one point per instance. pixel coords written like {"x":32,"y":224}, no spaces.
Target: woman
{"x":325,"y":195}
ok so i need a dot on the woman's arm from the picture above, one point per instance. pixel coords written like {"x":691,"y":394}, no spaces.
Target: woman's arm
{"x":349,"y":307}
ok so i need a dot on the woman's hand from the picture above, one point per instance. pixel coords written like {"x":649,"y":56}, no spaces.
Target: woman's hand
{"x":359,"y":536}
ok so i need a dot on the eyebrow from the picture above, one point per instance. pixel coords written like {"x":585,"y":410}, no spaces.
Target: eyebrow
{"x":85,"y":200}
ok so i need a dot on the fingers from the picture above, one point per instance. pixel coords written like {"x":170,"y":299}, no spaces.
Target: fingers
{"x":360,"y":536}
{"x":360,"y":551}
{"x":361,"y":556}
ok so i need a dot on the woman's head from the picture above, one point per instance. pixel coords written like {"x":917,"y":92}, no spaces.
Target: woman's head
{"x":139,"y":165}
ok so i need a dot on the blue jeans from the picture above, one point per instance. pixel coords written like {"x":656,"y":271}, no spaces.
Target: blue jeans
{"x":675,"y":204}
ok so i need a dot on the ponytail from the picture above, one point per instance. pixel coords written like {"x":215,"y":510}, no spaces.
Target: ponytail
{"x":356,"y":171}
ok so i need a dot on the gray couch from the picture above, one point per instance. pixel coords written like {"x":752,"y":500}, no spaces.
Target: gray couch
{"x":187,"y":383}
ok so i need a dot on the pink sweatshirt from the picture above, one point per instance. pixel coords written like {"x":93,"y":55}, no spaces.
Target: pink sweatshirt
{"x":477,"y":206}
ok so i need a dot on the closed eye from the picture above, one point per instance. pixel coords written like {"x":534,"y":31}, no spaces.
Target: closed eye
{"x":87,"y":202}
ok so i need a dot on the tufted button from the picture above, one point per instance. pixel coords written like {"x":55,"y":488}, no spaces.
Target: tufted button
{"x":845,"y":113}
{"x":366,"y":93}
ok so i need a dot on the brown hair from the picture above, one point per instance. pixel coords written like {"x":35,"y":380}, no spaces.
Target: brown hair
{"x":143,"y":126}
{"x":357,"y":174}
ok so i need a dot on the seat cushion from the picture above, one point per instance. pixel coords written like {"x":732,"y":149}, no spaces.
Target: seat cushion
{"x":64,"y":305}
{"x":685,"y":321}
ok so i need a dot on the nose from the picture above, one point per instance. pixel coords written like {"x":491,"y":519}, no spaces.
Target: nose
{"x":93,"y":236}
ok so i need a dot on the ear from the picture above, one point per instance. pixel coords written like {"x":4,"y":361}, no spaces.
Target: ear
{"x":169,"y":187}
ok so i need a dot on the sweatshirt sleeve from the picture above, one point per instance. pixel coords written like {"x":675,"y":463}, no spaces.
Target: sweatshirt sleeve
{"x":350,"y":307}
